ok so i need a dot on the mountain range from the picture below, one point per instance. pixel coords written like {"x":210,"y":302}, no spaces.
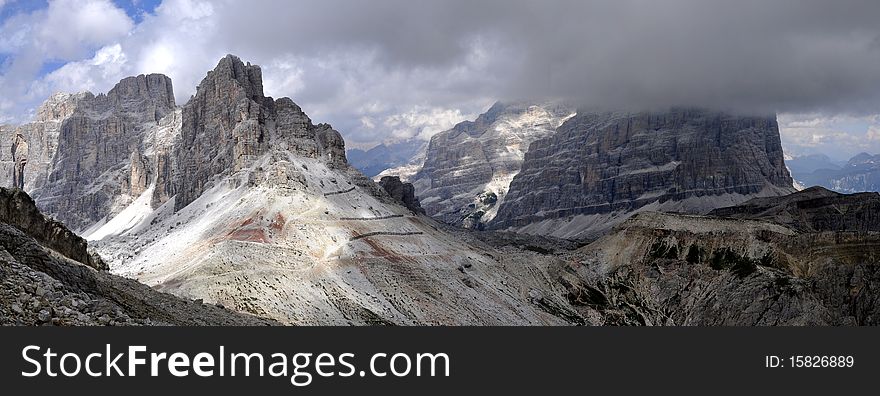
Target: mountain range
{"x":553,"y":170}
{"x":387,"y":155}
{"x":238,"y":201}
{"x":861,"y":173}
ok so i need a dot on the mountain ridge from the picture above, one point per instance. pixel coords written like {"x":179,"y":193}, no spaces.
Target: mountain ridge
{"x":240,"y":200}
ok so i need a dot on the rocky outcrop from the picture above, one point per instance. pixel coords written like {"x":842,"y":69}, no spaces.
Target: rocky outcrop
{"x":467,"y":170}
{"x":228,"y":124}
{"x":813,"y":210}
{"x":402,"y":192}
{"x":18,"y":210}
{"x":162,"y":143}
{"x":19,"y":160}
{"x":606,"y":166}
{"x":138,"y":178}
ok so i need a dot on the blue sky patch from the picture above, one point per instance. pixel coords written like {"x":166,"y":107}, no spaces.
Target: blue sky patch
{"x":13,"y":7}
{"x":50,"y":66}
{"x":137,"y":8}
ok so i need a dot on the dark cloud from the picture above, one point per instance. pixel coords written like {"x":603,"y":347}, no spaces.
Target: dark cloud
{"x":766,"y":55}
{"x":374,"y":68}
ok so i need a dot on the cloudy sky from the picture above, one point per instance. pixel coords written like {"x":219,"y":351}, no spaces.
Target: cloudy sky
{"x":382,"y":70}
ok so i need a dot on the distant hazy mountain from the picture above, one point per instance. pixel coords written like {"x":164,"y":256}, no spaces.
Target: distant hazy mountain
{"x":810,"y":163}
{"x":861,"y":173}
{"x":384,"y":156}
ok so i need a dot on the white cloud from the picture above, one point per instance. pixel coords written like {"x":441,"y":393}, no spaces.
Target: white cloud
{"x":77,"y":32}
{"x":371,"y":103}
{"x":873,"y":133}
{"x":282,"y":77}
{"x":421,"y":122}
{"x":346,"y":81}
{"x":98,"y":74}
{"x":179,"y":41}
{"x":71,"y":27}
{"x":840,"y":136}
{"x":368,"y":122}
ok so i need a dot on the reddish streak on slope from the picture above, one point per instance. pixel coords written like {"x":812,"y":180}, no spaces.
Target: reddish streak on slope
{"x":278,"y":223}
{"x":248,"y":235}
{"x":380,"y":251}
{"x":247,"y":232}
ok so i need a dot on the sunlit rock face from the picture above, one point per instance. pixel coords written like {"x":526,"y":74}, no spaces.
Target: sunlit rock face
{"x":468,"y":169}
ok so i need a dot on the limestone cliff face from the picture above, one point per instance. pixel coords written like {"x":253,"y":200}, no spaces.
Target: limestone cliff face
{"x":228,"y":124}
{"x":138,"y":174}
{"x":95,"y":146}
{"x":682,"y":160}
{"x":19,"y":160}
{"x":467,"y":170}
{"x":82,"y":158}
{"x":27,"y":152}
{"x":161,"y":146}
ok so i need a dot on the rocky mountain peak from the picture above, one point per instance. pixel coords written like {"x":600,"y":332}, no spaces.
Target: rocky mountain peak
{"x":59,"y":106}
{"x":863,"y":158}
{"x":78,"y":157}
{"x":134,"y":93}
{"x":231,"y":70}
{"x":228,"y":125}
